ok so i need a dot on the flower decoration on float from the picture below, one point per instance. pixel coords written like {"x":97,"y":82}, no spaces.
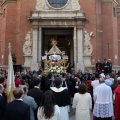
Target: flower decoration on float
{"x":55,"y":61}
{"x":57,"y":69}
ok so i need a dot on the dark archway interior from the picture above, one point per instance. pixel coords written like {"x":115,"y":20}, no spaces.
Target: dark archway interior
{"x":64,"y":37}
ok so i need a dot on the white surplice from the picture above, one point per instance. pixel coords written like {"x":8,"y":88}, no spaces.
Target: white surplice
{"x":103,"y":101}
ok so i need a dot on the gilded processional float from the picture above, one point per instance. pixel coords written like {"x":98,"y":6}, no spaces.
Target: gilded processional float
{"x":55,"y":60}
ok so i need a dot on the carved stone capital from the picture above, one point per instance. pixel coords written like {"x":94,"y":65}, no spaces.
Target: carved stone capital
{"x":75,"y":5}
{"x":40,"y":5}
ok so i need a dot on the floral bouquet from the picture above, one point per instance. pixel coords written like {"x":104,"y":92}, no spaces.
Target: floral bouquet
{"x":56,"y":69}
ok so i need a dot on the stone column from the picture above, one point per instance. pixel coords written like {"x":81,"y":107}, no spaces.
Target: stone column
{"x":71,"y":55}
{"x":79,"y":50}
{"x":40,"y":46}
{"x":75,"y":49}
{"x":34,"y":64}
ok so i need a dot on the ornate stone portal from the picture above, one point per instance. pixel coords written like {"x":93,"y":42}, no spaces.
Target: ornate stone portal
{"x":68,"y":16}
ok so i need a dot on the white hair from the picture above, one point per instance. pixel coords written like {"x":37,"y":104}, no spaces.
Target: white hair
{"x":102,"y":75}
{"x":107,"y":76}
{"x":118,"y":78}
{"x":102,"y":79}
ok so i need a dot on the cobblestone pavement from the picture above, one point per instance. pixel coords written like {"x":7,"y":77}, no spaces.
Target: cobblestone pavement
{"x":72,"y":116}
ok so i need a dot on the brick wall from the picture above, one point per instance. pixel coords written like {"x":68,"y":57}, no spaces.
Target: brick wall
{"x":1,"y":2}
{"x":89,"y":7}
{"x":99,"y":30}
{"x":8,"y":29}
{"x":119,"y":52}
{"x":109,"y":35}
{"x":24,"y":8}
{"x":0,"y":31}
{"x":115,"y":37}
{"x":15,"y":25}
{"x":118,"y":28}
{"x":3,"y":25}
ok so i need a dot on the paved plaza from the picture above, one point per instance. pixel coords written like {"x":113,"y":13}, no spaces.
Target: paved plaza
{"x":72,"y":116}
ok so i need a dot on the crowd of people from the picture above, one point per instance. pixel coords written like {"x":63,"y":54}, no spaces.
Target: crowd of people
{"x":43,"y":96}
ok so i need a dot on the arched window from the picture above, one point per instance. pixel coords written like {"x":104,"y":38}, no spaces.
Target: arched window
{"x":57,"y":3}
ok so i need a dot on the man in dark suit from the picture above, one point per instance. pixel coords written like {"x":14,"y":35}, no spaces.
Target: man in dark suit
{"x":110,"y":65}
{"x":2,"y":103}
{"x":106,"y":66}
{"x":17,"y":109}
{"x":99,"y":67}
{"x":36,"y":93}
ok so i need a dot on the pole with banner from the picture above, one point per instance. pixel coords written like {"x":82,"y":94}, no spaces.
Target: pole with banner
{"x":11,"y":79}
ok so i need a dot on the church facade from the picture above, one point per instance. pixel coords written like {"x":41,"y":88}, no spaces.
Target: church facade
{"x":84,"y":30}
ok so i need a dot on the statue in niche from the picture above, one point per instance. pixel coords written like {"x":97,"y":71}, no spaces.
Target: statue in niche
{"x":88,"y":48}
{"x":40,"y":5}
{"x":27,"y":47}
{"x":75,"y":5}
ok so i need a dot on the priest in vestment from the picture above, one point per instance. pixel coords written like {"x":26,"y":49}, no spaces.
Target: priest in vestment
{"x":103,"y":107}
{"x":62,"y":98}
{"x":117,"y":101}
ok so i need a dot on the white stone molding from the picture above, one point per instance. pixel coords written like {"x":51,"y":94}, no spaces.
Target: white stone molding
{"x":71,"y":5}
{"x":40,"y":5}
{"x":27,"y":47}
{"x":75,"y":5}
{"x":34,"y":63}
{"x":79,"y":44}
{"x":65,"y":7}
{"x":28,"y":60}
{"x":87,"y":46}
{"x":40,"y":46}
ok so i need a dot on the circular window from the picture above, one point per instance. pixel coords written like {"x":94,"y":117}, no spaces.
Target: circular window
{"x":57,"y":3}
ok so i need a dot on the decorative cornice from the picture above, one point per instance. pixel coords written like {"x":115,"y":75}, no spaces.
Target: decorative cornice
{"x":49,"y":15}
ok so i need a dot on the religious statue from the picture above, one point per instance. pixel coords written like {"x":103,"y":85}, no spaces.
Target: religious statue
{"x":88,"y":48}
{"x":75,"y":5}
{"x":27,"y":47}
{"x":53,"y":41}
{"x":55,"y":61}
{"x":40,"y":5}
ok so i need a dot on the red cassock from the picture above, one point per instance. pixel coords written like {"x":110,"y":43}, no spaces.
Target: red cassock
{"x":117,"y":103}
{"x":17,"y":82}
